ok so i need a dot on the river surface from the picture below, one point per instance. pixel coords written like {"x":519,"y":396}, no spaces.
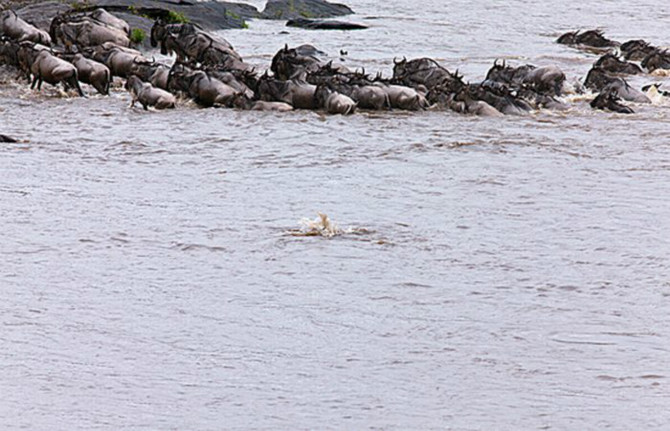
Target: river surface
{"x":490,"y":273}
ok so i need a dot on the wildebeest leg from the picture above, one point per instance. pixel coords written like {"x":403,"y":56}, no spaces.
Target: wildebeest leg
{"x":144,"y":105}
{"x":39,"y":84}
{"x":132,"y":101}
{"x":75,"y":85}
{"x":32,"y":86}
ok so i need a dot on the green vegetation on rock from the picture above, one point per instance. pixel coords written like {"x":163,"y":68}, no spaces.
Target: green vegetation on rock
{"x":137,"y":36}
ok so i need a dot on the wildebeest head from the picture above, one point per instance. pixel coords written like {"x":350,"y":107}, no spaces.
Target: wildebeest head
{"x":657,"y":60}
{"x":157,"y":32}
{"x":636,"y":50}
{"x":609,"y":100}
{"x":271,"y":89}
{"x":596,"y":39}
{"x":179,"y":79}
{"x":288,"y":62}
{"x":569,"y":38}
{"x":144,"y":68}
{"x":613,"y":64}
{"x":598,"y":78}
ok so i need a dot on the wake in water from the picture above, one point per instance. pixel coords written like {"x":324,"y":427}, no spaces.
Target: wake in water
{"x":322,"y":225}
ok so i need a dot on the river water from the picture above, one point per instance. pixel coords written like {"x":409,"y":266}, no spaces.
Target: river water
{"x":508,"y":273}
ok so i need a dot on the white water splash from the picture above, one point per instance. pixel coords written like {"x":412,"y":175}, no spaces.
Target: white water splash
{"x":661,"y":73}
{"x":656,"y":97}
{"x":320,"y":226}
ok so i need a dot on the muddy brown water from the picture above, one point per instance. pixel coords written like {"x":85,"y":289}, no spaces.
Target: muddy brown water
{"x":509,"y":273}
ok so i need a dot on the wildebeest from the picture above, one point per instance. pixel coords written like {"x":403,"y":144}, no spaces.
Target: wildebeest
{"x":193,"y":45}
{"x":91,"y":72}
{"x":82,"y":32}
{"x":299,"y":94}
{"x":421,"y":73}
{"x":9,"y":49}
{"x":150,"y":71}
{"x":588,"y":39}
{"x":636,"y":50}
{"x":608,"y":100}
{"x":230,"y":79}
{"x":402,"y":97}
{"x":107,"y":18}
{"x":546,"y":79}
{"x":613,"y":64}
{"x":11,"y":25}
{"x":119,"y":61}
{"x":334,"y":102}
{"x":657,"y":60}
{"x":46,"y":67}
{"x":242,"y":101}
{"x":598,"y":79}
{"x":291,"y":63}
{"x":366,"y":96}
{"x":202,"y":88}
{"x":148,"y":95}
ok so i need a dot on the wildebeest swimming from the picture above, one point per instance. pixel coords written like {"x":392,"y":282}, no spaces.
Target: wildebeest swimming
{"x":94,"y":47}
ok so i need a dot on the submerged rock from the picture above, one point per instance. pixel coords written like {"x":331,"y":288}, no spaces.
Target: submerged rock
{"x":292,"y":9}
{"x":319,"y":24}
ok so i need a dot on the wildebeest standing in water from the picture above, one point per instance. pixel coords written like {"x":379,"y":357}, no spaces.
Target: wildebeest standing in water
{"x":334,"y":102}
{"x":148,"y":95}
{"x":46,"y":67}
{"x":91,"y":72}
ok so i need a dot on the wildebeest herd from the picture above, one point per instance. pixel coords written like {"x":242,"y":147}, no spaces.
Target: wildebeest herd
{"x":94,"y":47}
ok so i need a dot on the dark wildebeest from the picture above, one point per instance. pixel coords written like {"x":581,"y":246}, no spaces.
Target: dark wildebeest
{"x":193,"y":45}
{"x":657,"y":60}
{"x":422,"y":74}
{"x":592,"y":39}
{"x":636,"y":50}
{"x":14,"y":27}
{"x":608,"y":100}
{"x":598,"y":79}
{"x":150,"y":71}
{"x":546,"y":80}
{"x":202,"y":88}
{"x":148,"y":95}
{"x":613,"y":64}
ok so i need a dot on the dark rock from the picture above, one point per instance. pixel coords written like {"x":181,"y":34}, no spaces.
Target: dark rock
{"x":319,"y":24}
{"x":209,"y":15}
{"x":41,"y":14}
{"x":292,"y":9}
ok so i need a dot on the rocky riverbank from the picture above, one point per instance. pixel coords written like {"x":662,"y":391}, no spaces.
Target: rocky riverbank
{"x":209,"y":15}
